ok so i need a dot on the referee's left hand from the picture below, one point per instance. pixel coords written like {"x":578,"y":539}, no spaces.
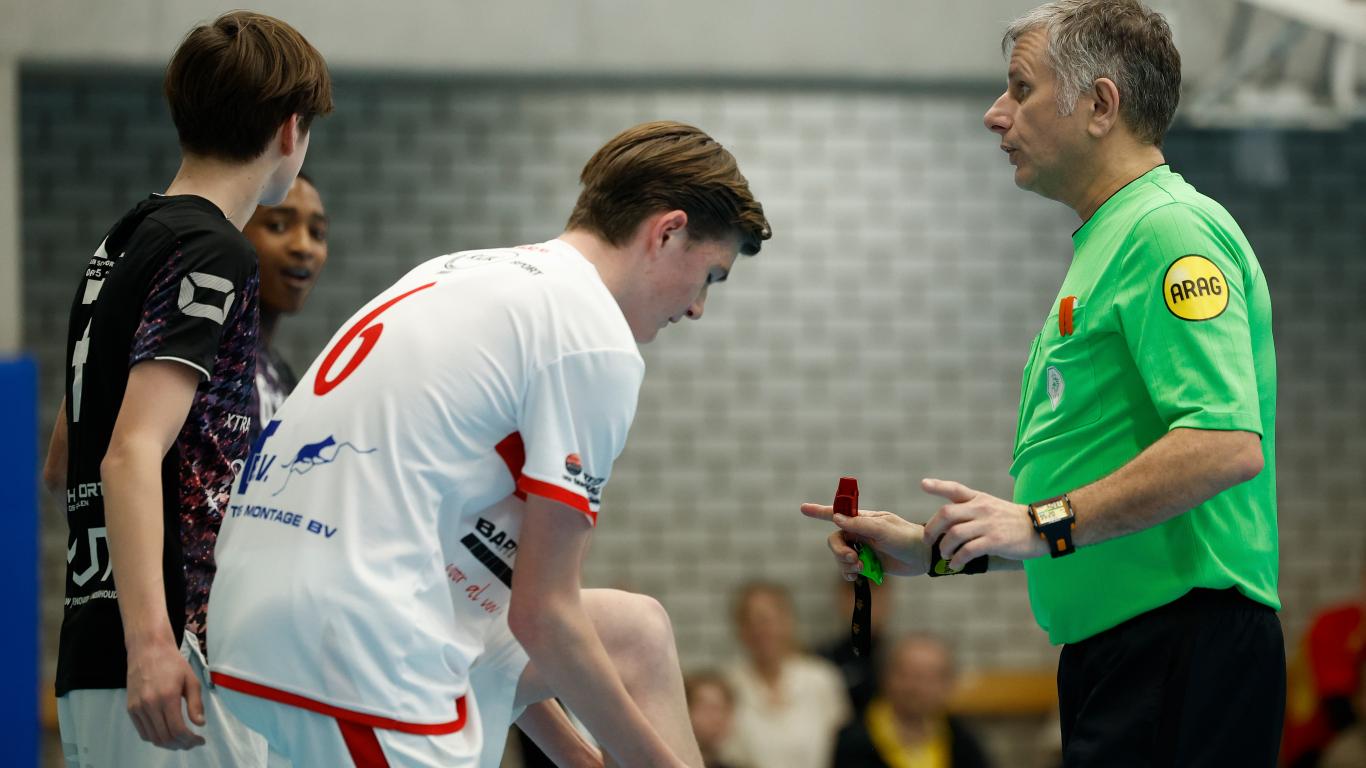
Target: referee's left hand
{"x":975,"y":524}
{"x":900,"y":544}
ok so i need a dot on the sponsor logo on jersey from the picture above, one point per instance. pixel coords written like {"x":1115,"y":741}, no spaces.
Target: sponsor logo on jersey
{"x":238,"y":422}
{"x":1055,"y":385}
{"x":469,"y":259}
{"x":319,"y":454}
{"x":283,"y":517}
{"x":1194,"y":288}
{"x":98,"y":269}
{"x":93,"y":538}
{"x":499,"y":540}
{"x":81,"y":495}
{"x":494,"y":550}
{"x":307,"y":458}
{"x":259,"y":467}
{"x":218,"y":293}
{"x":575,"y":475}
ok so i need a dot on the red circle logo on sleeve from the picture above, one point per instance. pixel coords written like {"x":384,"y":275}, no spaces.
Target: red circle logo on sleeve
{"x":573,"y":464}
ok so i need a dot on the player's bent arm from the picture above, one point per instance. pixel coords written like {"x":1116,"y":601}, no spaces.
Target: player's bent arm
{"x":548,"y":725}
{"x":547,"y":617}
{"x":155,"y":405}
{"x":1182,"y":470}
{"x":54,"y":467}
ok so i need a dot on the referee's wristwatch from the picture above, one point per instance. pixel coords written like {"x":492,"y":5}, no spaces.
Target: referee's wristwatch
{"x":1054,"y":520}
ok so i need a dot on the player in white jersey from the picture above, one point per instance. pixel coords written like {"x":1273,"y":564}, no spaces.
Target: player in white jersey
{"x":462,"y":423}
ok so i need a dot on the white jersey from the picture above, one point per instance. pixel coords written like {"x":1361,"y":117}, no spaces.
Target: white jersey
{"x":371,"y":538}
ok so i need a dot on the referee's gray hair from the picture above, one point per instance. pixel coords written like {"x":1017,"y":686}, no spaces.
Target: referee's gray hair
{"x":1122,"y":40}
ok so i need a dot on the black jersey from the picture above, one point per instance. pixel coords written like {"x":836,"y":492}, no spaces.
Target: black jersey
{"x":173,"y":280}
{"x":274,"y":381}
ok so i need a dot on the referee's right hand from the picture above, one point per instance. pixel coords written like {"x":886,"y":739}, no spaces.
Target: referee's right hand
{"x":158,"y":678}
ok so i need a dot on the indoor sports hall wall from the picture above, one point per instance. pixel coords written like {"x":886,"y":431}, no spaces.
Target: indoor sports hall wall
{"x":880,"y":333}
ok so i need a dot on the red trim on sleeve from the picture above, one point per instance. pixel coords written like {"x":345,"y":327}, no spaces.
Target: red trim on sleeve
{"x":363,"y":745}
{"x":359,"y":718}
{"x":513,"y":453}
{"x":556,"y":493}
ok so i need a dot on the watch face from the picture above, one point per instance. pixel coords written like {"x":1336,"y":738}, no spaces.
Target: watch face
{"x":1051,"y":512}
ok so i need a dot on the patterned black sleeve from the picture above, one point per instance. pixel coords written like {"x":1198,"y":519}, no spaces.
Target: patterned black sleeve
{"x":194,"y":295}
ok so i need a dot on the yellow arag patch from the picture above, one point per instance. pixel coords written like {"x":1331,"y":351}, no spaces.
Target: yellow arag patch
{"x":1195,"y":289}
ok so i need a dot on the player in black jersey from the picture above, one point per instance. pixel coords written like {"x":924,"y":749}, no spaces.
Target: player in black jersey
{"x":161,"y":353}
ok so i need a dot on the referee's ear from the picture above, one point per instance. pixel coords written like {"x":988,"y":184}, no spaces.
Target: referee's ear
{"x":1104,"y":117}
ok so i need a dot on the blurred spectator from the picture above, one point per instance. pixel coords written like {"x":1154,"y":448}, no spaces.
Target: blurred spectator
{"x":1348,"y":750}
{"x":711,"y":707}
{"x":788,"y":704}
{"x":1322,"y":677}
{"x":908,"y":725}
{"x":860,"y":673}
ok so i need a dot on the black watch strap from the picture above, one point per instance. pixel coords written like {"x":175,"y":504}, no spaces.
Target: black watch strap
{"x":1054,"y":520}
{"x":939,"y":566}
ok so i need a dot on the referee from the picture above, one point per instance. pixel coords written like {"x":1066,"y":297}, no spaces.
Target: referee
{"x":1145,"y":501}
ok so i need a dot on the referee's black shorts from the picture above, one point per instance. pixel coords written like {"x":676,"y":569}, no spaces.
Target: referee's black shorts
{"x":1197,"y":682}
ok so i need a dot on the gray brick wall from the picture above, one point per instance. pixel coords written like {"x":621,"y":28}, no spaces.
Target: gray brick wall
{"x":880,"y":333}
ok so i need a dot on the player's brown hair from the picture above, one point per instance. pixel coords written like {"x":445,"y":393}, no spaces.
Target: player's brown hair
{"x":1122,"y":40}
{"x":232,"y":83}
{"x":664,"y":166}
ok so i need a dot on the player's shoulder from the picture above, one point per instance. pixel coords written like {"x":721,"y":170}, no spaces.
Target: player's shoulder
{"x":535,"y":264}
{"x":184,"y":213}
{"x":544,"y":285}
{"x":587,"y":314}
{"x":196,"y":224}
{"x":460,"y":264}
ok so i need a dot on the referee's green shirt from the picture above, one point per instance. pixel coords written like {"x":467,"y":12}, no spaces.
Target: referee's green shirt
{"x":1171,"y":327}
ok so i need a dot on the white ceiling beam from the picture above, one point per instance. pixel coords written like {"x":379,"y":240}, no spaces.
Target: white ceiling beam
{"x":1346,"y":18}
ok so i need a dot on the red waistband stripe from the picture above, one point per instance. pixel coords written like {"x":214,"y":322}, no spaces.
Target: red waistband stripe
{"x":360,"y":718}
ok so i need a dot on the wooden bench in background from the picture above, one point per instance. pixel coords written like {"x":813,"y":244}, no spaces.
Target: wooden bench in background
{"x":1006,"y":693}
